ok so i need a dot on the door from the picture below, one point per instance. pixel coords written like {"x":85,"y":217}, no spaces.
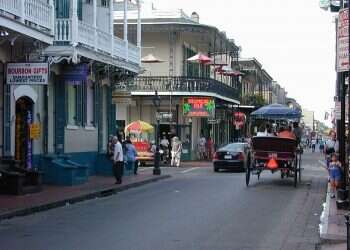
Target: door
{"x":23,"y":143}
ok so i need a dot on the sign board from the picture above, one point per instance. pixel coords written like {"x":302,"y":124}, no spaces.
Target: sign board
{"x":164,"y":116}
{"x":198,"y":107}
{"x":343,"y":41}
{"x":337,"y":111}
{"x":35,"y":131}
{"x":27,"y":73}
{"x":213,"y":121}
{"x":324,"y":4}
{"x":75,"y":74}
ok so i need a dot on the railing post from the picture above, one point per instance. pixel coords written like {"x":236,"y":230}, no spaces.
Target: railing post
{"x":22,"y":10}
{"x":52,"y":17}
{"x":126,"y":29}
{"x":74,"y":22}
{"x":139,"y":29}
{"x":111,"y":27}
{"x":94,"y":16}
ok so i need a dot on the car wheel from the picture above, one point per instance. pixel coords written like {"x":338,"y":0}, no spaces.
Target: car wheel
{"x":216,"y":169}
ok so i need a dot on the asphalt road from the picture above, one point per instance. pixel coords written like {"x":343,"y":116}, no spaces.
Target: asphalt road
{"x":196,"y":209}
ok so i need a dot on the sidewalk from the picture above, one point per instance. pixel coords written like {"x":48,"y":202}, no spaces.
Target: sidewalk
{"x":332,"y":227}
{"x":57,"y":196}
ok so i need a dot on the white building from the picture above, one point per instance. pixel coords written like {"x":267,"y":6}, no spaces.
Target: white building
{"x":73,"y":110}
{"x":173,"y":37}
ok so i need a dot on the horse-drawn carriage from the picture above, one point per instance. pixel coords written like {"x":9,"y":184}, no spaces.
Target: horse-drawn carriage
{"x":274,"y":153}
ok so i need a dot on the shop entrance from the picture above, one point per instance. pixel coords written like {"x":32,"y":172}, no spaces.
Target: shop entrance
{"x":23,"y":143}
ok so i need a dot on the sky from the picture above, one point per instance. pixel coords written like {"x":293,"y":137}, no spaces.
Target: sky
{"x":294,"y":40}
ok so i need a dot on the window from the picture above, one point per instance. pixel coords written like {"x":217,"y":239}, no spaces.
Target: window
{"x":71,"y":104}
{"x":105,"y":3}
{"x":89,"y":1}
{"x":90,"y":103}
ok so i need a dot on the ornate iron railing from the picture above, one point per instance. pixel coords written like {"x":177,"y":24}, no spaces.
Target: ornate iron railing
{"x":183,"y":84}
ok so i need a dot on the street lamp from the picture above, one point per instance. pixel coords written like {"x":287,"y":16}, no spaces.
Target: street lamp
{"x":156,"y":103}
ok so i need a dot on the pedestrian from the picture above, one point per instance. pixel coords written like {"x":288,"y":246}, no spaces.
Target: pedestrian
{"x":209,"y":148}
{"x":110,"y":147}
{"x":313,"y":144}
{"x":176,"y":150}
{"x":201,"y":147}
{"x":334,"y":174}
{"x":321,"y":147}
{"x":331,"y":146}
{"x":131,"y":155}
{"x":164,"y":145}
{"x":298,"y":132}
{"x":118,"y":162}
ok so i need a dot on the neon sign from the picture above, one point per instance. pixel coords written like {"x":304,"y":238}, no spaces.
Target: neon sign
{"x":198,"y":107}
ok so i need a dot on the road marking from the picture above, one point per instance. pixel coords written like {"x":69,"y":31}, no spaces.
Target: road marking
{"x":189,"y":170}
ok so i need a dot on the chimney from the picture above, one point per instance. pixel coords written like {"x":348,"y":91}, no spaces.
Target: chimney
{"x":195,"y":17}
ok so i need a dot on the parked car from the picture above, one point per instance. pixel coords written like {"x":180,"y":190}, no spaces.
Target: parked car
{"x":232,"y":156}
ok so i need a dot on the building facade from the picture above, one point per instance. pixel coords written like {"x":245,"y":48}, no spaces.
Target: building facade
{"x":173,"y":37}
{"x":61,"y":125}
{"x":256,"y":88}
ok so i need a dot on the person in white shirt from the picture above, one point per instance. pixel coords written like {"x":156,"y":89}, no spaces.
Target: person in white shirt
{"x":201,"y":147}
{"x":313,"y":144}
{"x":118,"y":162}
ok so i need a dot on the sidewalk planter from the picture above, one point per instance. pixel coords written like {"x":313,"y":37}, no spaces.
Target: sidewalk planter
{"x":60,"y":170}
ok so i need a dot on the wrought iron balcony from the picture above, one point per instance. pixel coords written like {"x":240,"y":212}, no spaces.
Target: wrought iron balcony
{"x":184,"y":84}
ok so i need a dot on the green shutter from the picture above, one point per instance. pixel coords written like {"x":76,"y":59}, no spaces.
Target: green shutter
{"x":80,"y":9}
{"x":62,"y":8}
{"x":97,"y":104}
{"x":60,"y":114}
{"x":84,"y":103}
{"x":79,"y":104}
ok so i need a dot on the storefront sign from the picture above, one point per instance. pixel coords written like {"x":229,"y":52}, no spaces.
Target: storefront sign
{"x":27,"y":73}
{"x":199,"y":107}
{"x":35,"y":131}
{"x":75,"y":74}
{"x":343,"y":41}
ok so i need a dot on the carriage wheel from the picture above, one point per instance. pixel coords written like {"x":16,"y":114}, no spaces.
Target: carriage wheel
{"x":247,"y":175}
{"x":295,"y":172}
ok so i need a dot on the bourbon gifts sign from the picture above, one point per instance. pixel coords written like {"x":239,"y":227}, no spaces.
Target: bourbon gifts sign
{"x":199,"y":107}
{"x":27,"y":73}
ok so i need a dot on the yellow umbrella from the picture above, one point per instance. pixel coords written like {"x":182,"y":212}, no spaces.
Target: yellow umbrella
{"x":139,"y":127}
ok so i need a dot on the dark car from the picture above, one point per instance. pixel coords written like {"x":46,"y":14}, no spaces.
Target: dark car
{"x":232,"y":156}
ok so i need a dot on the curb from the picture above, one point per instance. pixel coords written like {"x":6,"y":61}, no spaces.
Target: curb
{"x":95,"y":194}
{"x":327,"y":238}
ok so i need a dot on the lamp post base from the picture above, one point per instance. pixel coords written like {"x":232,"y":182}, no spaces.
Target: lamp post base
{"x":156,"y":171}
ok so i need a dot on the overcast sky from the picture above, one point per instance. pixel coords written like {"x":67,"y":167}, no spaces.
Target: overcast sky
{"x":293,"y":39}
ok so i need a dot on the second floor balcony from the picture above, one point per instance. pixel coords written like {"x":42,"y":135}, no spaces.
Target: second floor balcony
{"x":95,"y":39}
{"x":184,"y":86}
{"x":34,"y":18}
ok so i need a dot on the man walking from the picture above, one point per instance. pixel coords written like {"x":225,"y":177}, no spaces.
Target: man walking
{"x":118,"y":163}
{"x":176,"y":152}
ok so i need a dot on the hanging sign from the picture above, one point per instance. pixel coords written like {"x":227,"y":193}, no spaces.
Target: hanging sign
{"x":27,"y":73}
{"x":35,"y":131}
{"x":343,"y":41}
{"x":75,"y":74}
{"x":198,"y":107}
{"x":239,"y":120}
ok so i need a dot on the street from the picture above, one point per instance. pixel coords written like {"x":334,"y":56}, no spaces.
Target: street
{"x":195,"y":209}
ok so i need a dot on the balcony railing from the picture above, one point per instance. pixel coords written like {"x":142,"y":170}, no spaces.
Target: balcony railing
{"x":96,"y":39}
{"x":36,"y":12}
{"x":183,"y":84}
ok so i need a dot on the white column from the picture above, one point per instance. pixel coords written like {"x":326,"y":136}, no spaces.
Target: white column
{"x":74,"y":21}
{"x":52,"y":6}
{"x":22,"y":11}
{"x":139,"y":30}
{"x":111,"y":25}
{"x":94,"y":17}
{"x":126,"y":29}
